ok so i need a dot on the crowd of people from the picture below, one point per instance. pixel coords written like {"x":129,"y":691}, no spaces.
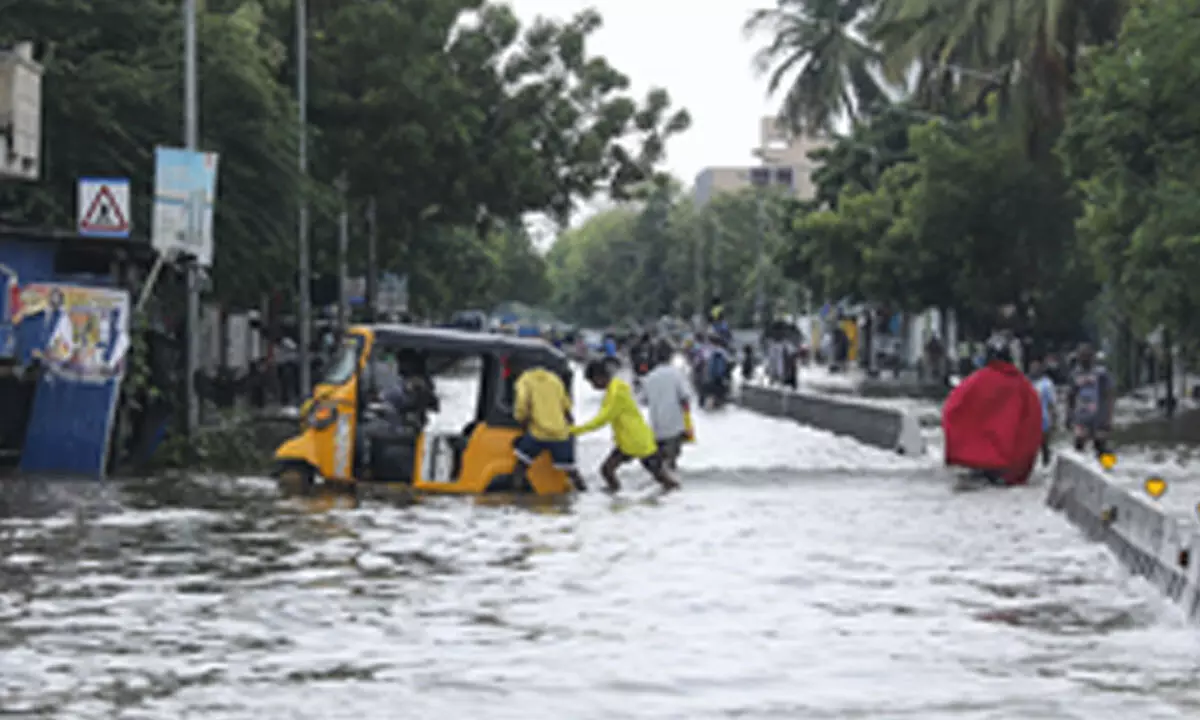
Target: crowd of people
{"x":654,"y":440}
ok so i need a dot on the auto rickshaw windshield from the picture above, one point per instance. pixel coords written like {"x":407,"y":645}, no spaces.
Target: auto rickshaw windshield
{"x":345,"y":363}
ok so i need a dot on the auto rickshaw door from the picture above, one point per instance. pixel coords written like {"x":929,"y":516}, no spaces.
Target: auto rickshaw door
{"x":333,"y":416}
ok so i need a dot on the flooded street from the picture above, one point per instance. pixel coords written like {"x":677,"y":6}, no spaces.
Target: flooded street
{"x":797,"y":576}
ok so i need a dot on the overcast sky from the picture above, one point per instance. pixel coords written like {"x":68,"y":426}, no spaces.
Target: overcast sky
{"x":696,"y":51}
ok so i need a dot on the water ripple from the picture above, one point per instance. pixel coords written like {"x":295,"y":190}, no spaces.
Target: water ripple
{"x":781,"y":596}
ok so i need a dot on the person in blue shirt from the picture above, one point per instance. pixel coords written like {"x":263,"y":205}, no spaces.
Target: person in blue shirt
{"x":1048,"y":395}
{"x":610,"y":347}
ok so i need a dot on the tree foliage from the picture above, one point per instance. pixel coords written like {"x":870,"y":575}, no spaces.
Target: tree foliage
{"x":819,"y":57}
{"x":1132,"y":147}
{"x":664,"y":254}
{"x":955,"y":196}
{"x":457,"y":120}
{"x":965,"y":221}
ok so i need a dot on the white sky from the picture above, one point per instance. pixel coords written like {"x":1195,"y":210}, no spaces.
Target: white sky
{"x":697,"y":52}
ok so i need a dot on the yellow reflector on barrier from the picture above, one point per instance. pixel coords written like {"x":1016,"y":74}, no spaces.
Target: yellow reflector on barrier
{"x":1156,"y":487}
{"x":1108,"y":461}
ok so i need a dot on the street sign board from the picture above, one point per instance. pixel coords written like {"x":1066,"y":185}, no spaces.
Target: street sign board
{"x":392,"y":295}
{"x":185,"y":191}
{"x":103,"y":207}
{"x":356,"y":290}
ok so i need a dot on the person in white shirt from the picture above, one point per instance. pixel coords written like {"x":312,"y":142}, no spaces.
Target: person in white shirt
{"x":775,"y":356}
{"x":665,"y":390}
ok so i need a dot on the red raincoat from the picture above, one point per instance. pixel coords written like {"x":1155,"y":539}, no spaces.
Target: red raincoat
{"x":993,"y":421}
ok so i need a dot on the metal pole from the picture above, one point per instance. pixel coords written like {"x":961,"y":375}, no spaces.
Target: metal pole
{"x":715,"y":238}
{"x":759,"y":275}
{"x":699,"y":270}
{"x":191,"y":138}
{"x":372,"y":298}
{"x":305,"y":310}
{"x":343,"y":259}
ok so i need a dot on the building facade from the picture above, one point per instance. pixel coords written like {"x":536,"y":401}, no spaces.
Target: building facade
{"x":783,"y":162}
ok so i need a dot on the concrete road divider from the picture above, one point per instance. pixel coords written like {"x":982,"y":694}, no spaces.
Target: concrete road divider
{"x":869,"y":423}
{"x":1146,"y":539}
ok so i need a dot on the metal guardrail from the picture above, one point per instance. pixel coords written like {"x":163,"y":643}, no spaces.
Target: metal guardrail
{"x":1146,"y":539}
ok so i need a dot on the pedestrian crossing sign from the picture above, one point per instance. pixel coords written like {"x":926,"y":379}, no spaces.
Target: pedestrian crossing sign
{"x":104,"y":207}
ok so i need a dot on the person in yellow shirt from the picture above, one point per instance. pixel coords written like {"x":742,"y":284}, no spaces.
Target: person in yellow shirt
{"x":543,"y":407}
{"x":632,"y":437}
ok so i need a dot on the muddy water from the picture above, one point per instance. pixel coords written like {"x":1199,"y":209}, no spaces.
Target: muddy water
{"x":798,"y":575}
{"x":754,"y":596}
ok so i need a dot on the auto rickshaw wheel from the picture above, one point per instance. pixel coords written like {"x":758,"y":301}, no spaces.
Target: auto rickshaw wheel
{"x":507,"y":483}
{"x":297,"y":475}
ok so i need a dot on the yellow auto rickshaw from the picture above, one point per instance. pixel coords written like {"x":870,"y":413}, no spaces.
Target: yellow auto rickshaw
{"x":346,"y":439}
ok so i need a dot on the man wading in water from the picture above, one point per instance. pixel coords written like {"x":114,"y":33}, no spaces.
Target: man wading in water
{"x":667,"y":400}
{"x":632,"y":437}
{"x":1090,"y":402}
{"x":1048,"y":396}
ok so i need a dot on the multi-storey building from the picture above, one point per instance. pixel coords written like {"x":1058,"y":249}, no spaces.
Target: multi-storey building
{"x":783,"y":162}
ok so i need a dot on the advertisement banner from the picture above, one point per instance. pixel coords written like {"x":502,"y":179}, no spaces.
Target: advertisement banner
{"x":80,"y":332}
{"x":79,"y":337}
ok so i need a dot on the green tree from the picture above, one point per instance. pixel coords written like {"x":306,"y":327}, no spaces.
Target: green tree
{"x":860,"y":157}
{"x":971,"y":223}
{"x":1023,"y":54}
{"x":1132,"y":150}
{"x":643,"y":259}
{"x":457,"y":121}
{"x":112,"y":93}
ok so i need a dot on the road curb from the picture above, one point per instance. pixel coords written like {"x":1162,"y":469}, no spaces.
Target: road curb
{"x":869,"y":423}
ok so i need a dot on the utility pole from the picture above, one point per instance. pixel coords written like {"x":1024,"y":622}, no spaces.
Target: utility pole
{"x":191,"y":138}
{"x":343,"y":255}
{"x":699,"y":271}
{"x":759,"y":270}
{"x":304,"y":318}
{"x":759,"y":177}
{"x":715,"y":239}
{"x":372,"y":299}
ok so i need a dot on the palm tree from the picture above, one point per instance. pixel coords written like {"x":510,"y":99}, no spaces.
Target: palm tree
{"x":820,"y":52}
{"x":1024,"y":52}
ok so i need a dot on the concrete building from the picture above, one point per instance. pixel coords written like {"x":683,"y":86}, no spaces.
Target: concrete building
{"x":783,"y":162}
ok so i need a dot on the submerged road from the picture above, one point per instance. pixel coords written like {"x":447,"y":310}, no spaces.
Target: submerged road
{"x":798,"y":575}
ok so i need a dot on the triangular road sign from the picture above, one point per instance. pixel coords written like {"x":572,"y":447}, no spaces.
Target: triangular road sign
{"x":104,"y":215}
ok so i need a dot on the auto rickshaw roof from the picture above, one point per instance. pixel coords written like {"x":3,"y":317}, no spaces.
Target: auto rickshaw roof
{"x":413,"y":337}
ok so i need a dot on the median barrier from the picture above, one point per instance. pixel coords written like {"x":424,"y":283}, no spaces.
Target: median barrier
{"x":869,"y":423}
{"x":1146,"y":539}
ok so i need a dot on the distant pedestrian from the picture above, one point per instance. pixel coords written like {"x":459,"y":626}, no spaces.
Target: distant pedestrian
{"x":748,"y":362}
{"x":1090,"y":402}
{"x":1048,"y":396}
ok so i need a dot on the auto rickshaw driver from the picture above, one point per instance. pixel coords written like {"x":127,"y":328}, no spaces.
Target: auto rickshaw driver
{"x":406,"y":396}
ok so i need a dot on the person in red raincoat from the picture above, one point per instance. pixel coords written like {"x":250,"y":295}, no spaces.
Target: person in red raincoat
{"x":992,"y":421}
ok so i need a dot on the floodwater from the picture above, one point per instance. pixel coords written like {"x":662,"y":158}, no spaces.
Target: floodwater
{"x":796,"y":576}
